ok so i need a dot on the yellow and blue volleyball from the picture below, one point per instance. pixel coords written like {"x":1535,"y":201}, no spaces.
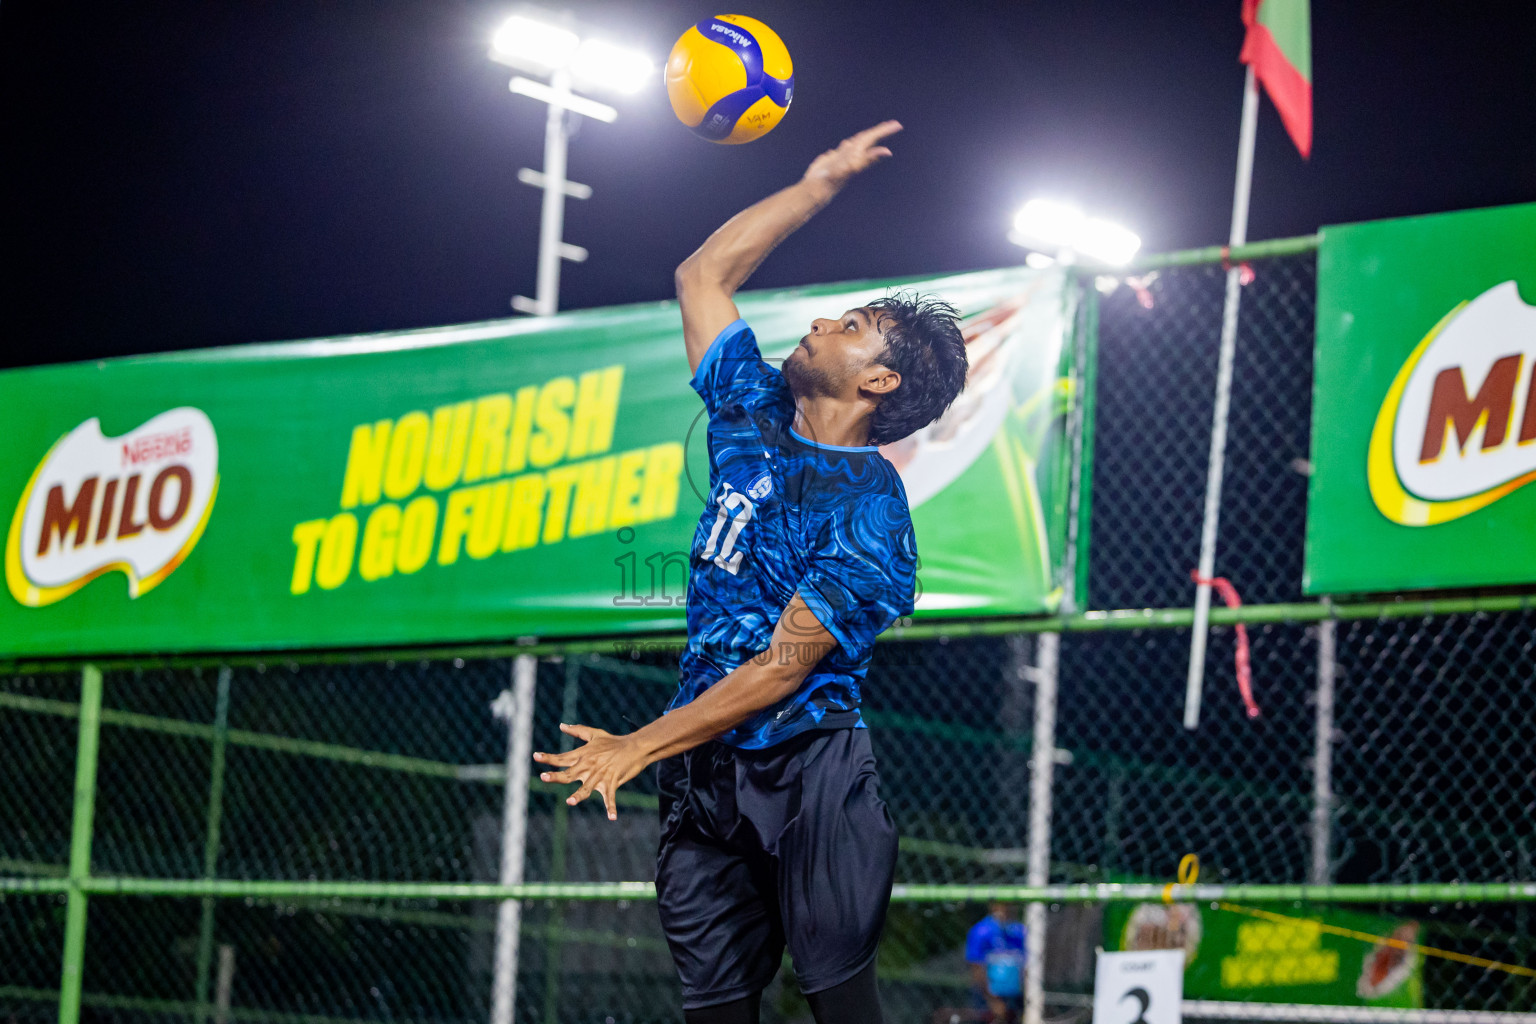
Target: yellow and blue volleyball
{"x":729,"y":79}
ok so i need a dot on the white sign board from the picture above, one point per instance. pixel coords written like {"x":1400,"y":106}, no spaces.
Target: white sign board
{"x":1139,"y":988}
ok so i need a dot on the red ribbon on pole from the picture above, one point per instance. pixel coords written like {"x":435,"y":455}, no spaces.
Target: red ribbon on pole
{"x":1245,"y":269}
{"x":1228,"y":594}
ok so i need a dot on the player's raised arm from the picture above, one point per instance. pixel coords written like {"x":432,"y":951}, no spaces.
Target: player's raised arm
{"x":707,"y":280}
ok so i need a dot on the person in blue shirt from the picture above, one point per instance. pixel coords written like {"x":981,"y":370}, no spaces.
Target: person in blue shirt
{"x":994,"y":947}
{"x":773,"y":833}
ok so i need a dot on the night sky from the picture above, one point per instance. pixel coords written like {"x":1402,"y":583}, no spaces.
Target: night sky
{"x":181,"y":175}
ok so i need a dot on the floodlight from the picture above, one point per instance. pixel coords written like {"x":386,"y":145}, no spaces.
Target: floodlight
{"x":526,"y":40}
{"x":1051,"y":224}
{"x":1039,"y":261}
{"x":1063,"y":231}
{"x":1106,"y":242}
{"x":607,"y":66}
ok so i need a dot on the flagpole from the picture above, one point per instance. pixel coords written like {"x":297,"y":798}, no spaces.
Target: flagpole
{"x":1238,"y":236}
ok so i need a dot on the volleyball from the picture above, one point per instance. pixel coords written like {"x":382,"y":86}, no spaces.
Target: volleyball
{"x":730,"y":79}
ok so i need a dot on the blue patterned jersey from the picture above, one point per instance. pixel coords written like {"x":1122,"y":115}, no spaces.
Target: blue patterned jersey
{"x":787,"y":514}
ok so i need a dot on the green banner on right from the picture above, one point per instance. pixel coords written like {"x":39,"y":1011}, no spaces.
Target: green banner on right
{"x":1424,"y":404}
{"x":1317,"y":956}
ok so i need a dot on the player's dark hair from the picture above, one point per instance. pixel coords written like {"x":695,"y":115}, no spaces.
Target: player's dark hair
{"x":924,"y":345}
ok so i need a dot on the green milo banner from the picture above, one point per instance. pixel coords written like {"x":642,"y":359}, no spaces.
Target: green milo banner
{"x":1251,"y":955}
{"x":1424,"y":409}
{"x":517,"y":478}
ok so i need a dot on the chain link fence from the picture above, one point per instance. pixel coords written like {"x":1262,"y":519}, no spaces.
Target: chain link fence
{"x":1157,"y":352}
{"x":1415,"y":769}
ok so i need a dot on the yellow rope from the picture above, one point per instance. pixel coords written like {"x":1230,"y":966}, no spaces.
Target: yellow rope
{"x":1413,"y":947}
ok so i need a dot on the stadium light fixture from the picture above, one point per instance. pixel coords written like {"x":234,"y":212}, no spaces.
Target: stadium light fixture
{"x":1108,"y":242}
{"x":523,"y":41}
{"x":606,"y":66}
{"x":549,"y":46}
{"x":1063,"y":231}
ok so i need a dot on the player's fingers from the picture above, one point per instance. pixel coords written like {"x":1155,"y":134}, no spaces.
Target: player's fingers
{"x":878,"y":132}
{"x":870,"y":157}
{"x":564,"y":760}
{"x":580,"y":795}
{"x":564,"y":776}
{"x":581,"y":732}
{"x":609,"y":801}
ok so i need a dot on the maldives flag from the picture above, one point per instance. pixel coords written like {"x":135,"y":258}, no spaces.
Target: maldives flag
{"x":1279,"y":47}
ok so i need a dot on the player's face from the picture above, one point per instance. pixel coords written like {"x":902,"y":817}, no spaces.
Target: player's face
{"x":836,"y":351}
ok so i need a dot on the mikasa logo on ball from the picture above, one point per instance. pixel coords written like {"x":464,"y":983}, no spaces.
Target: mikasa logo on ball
{"x":137,"y":503}
{"x":1457,"y":430}
{"x":735,"y":37}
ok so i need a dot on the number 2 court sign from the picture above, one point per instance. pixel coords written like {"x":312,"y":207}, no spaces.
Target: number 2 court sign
{"x":482,"y":482}
{"x":1424,"y":408}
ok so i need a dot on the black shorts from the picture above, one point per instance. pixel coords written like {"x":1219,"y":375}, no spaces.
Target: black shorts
{"x":760,"y":848}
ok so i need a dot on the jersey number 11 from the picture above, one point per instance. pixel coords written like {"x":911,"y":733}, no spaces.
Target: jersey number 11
{"x":736,"y":507}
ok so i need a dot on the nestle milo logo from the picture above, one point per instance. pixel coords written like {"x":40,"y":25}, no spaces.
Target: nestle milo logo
{"x":1457,"y":430}
{"x":137,"y":504}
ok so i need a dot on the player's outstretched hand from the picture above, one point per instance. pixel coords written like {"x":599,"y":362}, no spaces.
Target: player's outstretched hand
{"x":603,"y":763}
{"x":853,"y":154}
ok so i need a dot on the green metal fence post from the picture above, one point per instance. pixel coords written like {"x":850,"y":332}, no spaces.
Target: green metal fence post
{"x":80,"y":845}
{"x":1523,"y":870}
{"x":211,"y":843}
{"x":1113,"y":809}
{"x":1080,"y":499}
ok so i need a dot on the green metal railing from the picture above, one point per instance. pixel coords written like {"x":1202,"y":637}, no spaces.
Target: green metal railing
{"x":1129,"y":892}
{"x":1083,"y":622}
{"x":1267,"y":249}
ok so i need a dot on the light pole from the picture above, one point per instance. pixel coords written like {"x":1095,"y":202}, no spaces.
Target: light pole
{"x":1054,"y":232}
{"x":541,"y":44}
